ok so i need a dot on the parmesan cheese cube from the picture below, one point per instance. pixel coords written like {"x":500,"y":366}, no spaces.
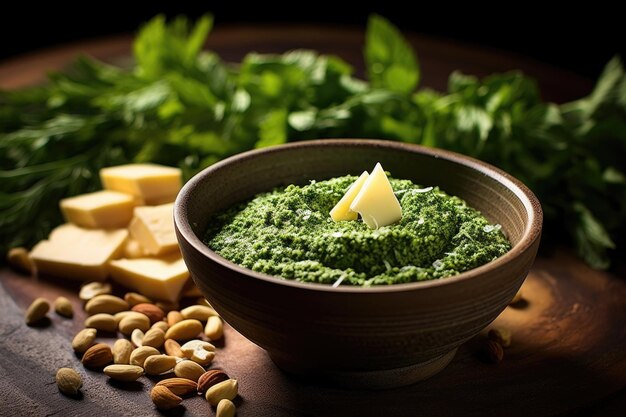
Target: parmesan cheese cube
{"x":78,"y":253}
{"x":376,"y":202}
{"x":149,"y":183}
{"x":102,"y":209}
{"x":157,"y":278}
{"x":342,"y":211}
{"x":153,"y":228}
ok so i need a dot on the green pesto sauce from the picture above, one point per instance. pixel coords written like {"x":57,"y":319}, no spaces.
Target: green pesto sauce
{"x":289,"y":233}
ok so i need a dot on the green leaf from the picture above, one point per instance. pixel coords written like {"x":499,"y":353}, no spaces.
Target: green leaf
{"x":273,"y":129}
{"x":391,"y":61}
{"x":592,"y":239}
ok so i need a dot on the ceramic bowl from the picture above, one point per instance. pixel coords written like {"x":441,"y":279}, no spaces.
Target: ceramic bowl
{"x":375,"y":337}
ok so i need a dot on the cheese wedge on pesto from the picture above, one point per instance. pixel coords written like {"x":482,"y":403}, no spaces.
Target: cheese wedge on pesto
{"x":376,"y":202}
{"x":342,"y":211}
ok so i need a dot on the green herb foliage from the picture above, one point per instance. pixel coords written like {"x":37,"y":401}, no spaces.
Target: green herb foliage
{"x":182,"y":106}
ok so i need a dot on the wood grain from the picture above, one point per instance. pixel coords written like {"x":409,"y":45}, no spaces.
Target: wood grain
{"x":568,"y":355}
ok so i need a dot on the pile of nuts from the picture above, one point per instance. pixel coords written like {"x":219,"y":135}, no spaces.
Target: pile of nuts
{"x":154,"y":347}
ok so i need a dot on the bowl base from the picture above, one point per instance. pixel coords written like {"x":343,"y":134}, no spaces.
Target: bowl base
{"x":379,"y":379}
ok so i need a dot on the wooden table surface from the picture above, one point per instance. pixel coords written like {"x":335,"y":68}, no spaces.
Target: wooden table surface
{"x":568,"y":355}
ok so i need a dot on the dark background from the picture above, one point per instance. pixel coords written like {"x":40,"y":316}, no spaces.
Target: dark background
{"x":581,"y":40}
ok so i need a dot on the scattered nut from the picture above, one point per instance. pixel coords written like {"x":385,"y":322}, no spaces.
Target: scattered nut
{"x":159,"y":364}
{"x":68,"y":381}
{"x":137,"y":337}
{"x":199,"y":351}
{"x":63,"y":307}
{"x":501,"y":335}
{"x":139,"y":355}
{"x":160,"y":325}
{"x":84,"y":340}
{"x":174,"y":317}
{"x":93,"y":289}
{"x":210,"y":378}
{"x":184,"y":330}
{"x":223,"y":390}
{"x":163,"y":398}
{"x":225,"y":408}
{"x":153,"y":312}
{"x":123,"y":372}
{"x":154,"y":338}
{"x":188,"y":370}
{"x":133,"y":298}
{"x":134,"y":321}
{"x":198,"y":312}
{"x":18,"y":259}
{"x":97,"y":356}
{"x":179,"y":386}
{"x":37,"y":310}
{"x":105,"y":303}
{"x":493,"y":351}
{"x":172,"y":348}
{"x":119,"y":316}
{"x":214,"y":328}
{"x":122,"y":349}
{"x":101,"y":321}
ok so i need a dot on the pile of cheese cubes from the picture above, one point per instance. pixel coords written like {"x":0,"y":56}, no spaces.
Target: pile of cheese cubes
{"x":125,"y":231}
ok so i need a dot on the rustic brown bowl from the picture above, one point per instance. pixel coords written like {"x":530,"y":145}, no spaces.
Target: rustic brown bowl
{"x":373,"y":337}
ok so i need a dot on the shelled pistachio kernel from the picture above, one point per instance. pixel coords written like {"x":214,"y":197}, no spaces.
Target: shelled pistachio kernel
{"x":139,"y":355}
{"x":68,"y":381}
{"x":133,"y":298}
{"x":159,"y":364}
{"x":188,"y":370}
{"x":123,"y":372}
{"x":122,"y":349}
{"x":63,"y":307}
{"x":214,"y":328}
{"x":101,"y":321}
{"x":225,"y":408}
{"x":223,"y":390}
{"x":37,"y":310}
{"x":18,"y":258}
{"x":84,"y":340}
{"x":93,"y":289}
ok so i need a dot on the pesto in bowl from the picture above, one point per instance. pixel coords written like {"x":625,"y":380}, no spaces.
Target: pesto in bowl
{"x":288,"y":233}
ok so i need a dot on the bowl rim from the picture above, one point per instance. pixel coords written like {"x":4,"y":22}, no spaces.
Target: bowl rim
{"x":530,"y":235}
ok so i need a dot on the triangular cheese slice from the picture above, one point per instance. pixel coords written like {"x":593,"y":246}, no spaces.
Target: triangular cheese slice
{"x":376,"y":202}
{"x":342,"y":211}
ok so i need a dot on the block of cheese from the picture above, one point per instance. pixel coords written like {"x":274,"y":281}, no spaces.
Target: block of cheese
{"x":153,"y":228}
{"x":150,"y":184}
{"x":376,"y":202}
{"x":78,"y":253}
{"x":133,"y":249}
{"x":102,"y":209}
{"x":160,"y":278}
{"x":342,"y":211}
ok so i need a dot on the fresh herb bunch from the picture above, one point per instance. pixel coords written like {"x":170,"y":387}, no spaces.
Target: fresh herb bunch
{"x":182,"y":106}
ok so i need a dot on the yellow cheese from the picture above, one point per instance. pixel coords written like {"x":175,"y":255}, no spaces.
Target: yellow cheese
{"x":102,"y":209}
{"x":153,"y":228}
{"x":133,"y":249}
{"x":157,"y":278}
{"x":342,"y":211}
{"x":78,"y":253}
{"x":150,"y":184}
{"x":376,"y":202}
